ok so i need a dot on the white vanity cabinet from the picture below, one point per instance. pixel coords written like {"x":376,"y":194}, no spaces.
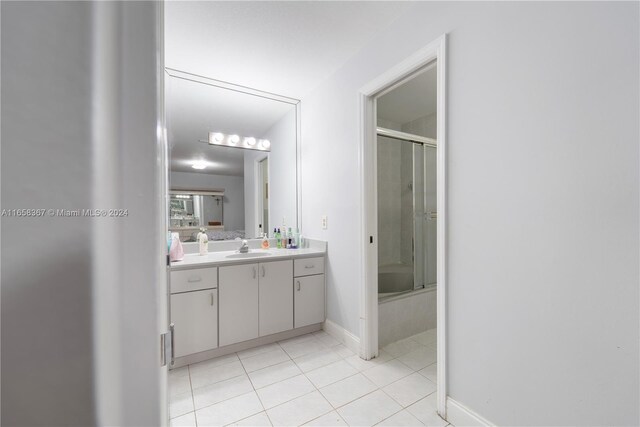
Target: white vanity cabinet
{"x":308,"y":291}
{"x":238,"y":303}
{"x":276,"y":298}
{"x":194,"y":310}
{"x":195,"y":316}
{"x":255,"y":300}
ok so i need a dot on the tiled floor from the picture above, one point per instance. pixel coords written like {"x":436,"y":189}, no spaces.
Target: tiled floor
{"x":310,"y":380}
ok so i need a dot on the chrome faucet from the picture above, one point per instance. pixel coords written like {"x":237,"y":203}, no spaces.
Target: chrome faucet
{"x":244,"y":248}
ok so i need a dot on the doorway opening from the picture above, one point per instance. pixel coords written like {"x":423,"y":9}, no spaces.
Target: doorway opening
{"x":263,"y":196}
{"x":404,"y":219}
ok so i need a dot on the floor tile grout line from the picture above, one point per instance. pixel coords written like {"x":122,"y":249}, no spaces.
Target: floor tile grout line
{"x":221,"y":381}
{"x":377,"y":387}
{"x":333,"y":410}
{"x":399,"y":403}
{"x":193,"y":400}
{"x":315,"y":387}
{"x":313,"y":391}
{"x":237,"y":359}
{"x":255,"y":392}
{"x":405,"y":407}
{"x":254,"y":389}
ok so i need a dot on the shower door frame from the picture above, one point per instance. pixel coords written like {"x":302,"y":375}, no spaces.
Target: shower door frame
{"x":425,"y":143}
{"x":434,"y":51}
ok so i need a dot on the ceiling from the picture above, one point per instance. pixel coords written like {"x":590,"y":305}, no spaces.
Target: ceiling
{"x":411,"y":100}
{"x":194,"y":109}
{"x":287,"y":48}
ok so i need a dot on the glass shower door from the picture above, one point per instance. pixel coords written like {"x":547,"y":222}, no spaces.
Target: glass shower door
{"x":406,"y":215}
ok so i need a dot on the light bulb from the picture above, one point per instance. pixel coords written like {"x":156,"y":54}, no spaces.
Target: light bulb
{"x":234,"y":139}
{"x":215,"y":138}
{"x":250,"y":141}
{"x":265,"y":143}
{"x":200,"y":164}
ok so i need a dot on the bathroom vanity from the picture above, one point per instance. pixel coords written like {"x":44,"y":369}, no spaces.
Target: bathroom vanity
{"x":225,"y":301}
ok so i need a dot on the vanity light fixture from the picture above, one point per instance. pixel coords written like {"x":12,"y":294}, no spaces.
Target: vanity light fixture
{"x":248,"y":143}
{"x":199,"y":164}
{"x":216,"y":138}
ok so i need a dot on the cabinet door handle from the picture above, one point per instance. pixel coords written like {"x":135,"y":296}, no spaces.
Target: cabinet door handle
{"x":172,"y":328}
{"x":309,"y":266}
{"x":298,"y":282}
{"x":211,"y":298}
{"x":194,"y":279}
{"x":262,"y":270}
{"x":254,"y":272}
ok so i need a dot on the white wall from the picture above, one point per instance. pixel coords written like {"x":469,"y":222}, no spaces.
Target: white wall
{"x":233,"y":193}
{"x":543,"y":202}
{"x":55,"y":369}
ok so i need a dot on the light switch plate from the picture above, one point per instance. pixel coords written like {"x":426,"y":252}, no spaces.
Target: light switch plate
{"x":324,"y":222}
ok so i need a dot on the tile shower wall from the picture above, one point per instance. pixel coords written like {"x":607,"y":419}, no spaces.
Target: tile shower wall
{"x":389,"y":202}
{"x":395,"y":199}
{"x":395,"y":195}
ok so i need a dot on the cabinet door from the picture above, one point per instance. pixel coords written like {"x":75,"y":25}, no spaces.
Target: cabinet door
{"x":195,"y":316}
{"x":308,"y":300}
{"x":276,"y":298}
{"x":238,"y":291}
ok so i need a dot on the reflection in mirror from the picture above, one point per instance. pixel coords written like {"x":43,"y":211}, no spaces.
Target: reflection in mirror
{"x":233,"y":159}
{"x":189,"y":209}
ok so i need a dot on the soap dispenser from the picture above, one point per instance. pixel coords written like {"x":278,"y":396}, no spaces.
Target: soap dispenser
{"x":203,"y":241}
{"x":265,"y":241}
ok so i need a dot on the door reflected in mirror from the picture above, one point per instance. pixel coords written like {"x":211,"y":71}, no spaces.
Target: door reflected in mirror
{"x":237,"y":142}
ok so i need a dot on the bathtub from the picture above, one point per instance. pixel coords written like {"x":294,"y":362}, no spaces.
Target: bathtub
{"x":394,"y":279}
{"x":402,"y":310}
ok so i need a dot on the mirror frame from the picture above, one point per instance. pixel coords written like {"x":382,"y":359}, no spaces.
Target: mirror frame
{"x":172,"y":72}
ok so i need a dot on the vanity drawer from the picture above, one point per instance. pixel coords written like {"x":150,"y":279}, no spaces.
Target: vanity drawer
{"x":193,"y":280}
{"x":308,"y":266}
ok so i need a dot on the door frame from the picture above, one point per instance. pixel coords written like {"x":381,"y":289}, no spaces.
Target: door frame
{"x":259,"y":194}
{"x":435,"y":50}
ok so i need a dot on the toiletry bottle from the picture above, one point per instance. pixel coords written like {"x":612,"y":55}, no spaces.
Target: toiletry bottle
{"x":296,"y":238}
{"x":203,"y":241}
{"x":265,"y":241}
{"x":278,"y":240}
{"x":284,"y":234}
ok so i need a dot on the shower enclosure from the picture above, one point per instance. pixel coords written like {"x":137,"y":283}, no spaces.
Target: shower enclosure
{"x":407,"y":212}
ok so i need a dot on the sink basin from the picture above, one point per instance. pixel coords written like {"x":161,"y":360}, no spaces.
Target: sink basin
{"x":248,"y":255}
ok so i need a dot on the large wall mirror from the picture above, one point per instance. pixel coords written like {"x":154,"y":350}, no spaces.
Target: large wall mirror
{"x":233,"y":158}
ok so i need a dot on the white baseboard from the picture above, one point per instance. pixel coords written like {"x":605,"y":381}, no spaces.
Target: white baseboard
{"x":350,"y":341}
{"x":461,"y":416}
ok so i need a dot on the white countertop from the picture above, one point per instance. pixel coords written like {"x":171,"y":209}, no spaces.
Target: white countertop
{"x":213,"y":259}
